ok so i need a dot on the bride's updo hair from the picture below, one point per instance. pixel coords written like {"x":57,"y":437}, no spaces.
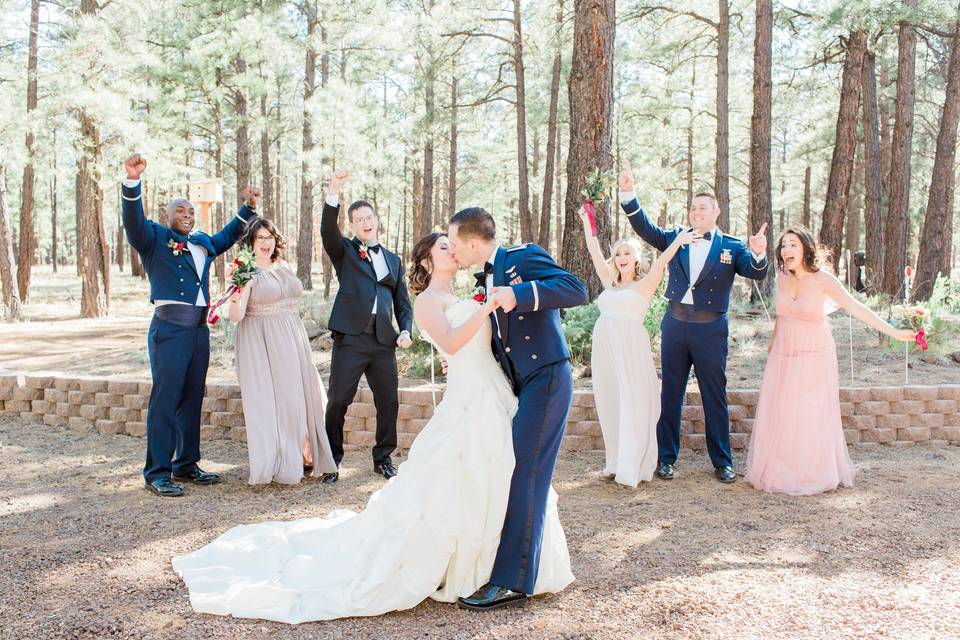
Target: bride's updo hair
{"x":418,"y":274}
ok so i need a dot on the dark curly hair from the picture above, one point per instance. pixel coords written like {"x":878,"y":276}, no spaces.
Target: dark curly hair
{"x":813,"y":257}
{"x":264,"y":223}
{"x":419,"y":275}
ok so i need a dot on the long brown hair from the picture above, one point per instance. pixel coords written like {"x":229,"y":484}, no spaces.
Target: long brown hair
{"x":814,"y":257}
{"x":265,"y":223}
{"x":419,"y":275}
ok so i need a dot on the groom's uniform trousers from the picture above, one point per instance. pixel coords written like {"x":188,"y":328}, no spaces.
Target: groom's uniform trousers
{"x":694,"y":328}
{"x":178,"y":340}
{"x":528,"y":343}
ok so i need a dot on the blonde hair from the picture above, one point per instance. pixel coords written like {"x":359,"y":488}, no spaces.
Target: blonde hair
{"x":639,"y":268}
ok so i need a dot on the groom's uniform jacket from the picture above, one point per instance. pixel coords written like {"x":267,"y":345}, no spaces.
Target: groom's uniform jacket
{"x":728,"y":257}
{"x":359,"y":285}
{"x":175,"y":277}
{"x":528,"y":340}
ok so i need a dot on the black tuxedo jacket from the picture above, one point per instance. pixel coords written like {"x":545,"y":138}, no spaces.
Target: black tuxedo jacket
{"x":359,"y":286}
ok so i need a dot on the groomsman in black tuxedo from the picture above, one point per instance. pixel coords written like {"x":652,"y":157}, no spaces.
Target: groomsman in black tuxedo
{"x":372,"y":292}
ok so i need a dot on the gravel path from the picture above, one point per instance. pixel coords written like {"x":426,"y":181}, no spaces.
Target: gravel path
{"x":86,"y":551}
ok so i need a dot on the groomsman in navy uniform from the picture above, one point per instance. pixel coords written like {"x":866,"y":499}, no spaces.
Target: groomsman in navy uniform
{"x":528,"y":343}
{"x":694,"y":329}
{"x":177,"y":261}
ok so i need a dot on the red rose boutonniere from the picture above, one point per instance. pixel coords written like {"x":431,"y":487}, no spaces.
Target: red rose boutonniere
{"x":175,"y":246}
{"x":480,"y":294}
{"x":364,"y":254}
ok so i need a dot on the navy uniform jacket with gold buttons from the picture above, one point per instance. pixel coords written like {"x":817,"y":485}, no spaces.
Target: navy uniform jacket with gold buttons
{"x":530,"y":336}
{"x":175,"y":277}
{"x":728,"y":257}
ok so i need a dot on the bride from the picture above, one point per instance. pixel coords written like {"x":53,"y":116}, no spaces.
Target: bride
{"x":432,"y":531}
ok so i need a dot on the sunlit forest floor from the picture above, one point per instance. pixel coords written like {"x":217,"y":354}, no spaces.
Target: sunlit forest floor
{"x":54,"y":339}
{"x":86,"y":551}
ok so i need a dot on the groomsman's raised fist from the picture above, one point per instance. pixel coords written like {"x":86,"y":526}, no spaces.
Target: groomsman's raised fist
{"x":625,"y":181}
{"x":135,"y":165}
{"x":758,"y":242}
{"x":338,"y":180}
{"x":251,"y":195}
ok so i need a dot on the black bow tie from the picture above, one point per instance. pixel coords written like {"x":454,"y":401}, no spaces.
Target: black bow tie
{"x":375,"y":248}
{"x":481,"y":276}
{"x":707,"y":236}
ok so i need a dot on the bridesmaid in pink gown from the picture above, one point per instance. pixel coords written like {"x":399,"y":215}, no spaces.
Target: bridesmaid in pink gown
{"x":797,"y":446}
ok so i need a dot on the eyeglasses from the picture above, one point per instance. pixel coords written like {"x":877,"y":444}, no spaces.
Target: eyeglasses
{"x":259,"y":238}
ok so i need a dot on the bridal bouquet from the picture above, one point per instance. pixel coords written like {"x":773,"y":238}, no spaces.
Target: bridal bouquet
{"x":916,"y":318}
{"x":595,"y":192}
{"x":239,"y":273}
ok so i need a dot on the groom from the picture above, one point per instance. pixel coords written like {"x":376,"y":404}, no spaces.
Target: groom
{"x":694,"y":329}
{"x":530,"y":289}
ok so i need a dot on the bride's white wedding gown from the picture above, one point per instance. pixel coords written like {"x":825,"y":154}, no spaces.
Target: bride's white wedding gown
{"x":432,"y":531}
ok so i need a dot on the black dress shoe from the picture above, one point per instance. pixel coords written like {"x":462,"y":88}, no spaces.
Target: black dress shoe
{"x":490,"y":596}
{"x":197,"y":476}
{"x":665,"y":471}
{"x":307,"y":468}
{"x":725,"y":474}
{"x":164,"y":487}
{"x":386,"y":469}
{"x":329,"y":478}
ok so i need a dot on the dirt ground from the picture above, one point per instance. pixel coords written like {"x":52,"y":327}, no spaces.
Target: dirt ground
{"x":86,"y":550}
{"x":55,"y":339}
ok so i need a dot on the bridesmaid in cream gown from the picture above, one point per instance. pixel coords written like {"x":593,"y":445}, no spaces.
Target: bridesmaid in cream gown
{"x":625,"y":385}
{"x":283,"y":399}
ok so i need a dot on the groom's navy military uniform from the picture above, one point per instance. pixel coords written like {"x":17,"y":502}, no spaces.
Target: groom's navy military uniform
{"x":694,"y":332}
{"x":178,"y":340}
{"x":528,"y":343}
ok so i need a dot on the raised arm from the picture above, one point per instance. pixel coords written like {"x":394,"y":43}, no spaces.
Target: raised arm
{"x":651,"y":281}
{"x":429,"y":313}
{"x":233,"y":231}
{"x":596,"y":254}
{"x":546,"y":285}
{"x":836,"y":292}
{"x":140,"y":232}
{"x":329,"y":227}
{"x":651,"y":233}
{"x":752,"y":259}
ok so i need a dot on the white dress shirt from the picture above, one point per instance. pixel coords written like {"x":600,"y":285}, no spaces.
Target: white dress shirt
{"x":489,"y":284}
{"x":198,"y":253}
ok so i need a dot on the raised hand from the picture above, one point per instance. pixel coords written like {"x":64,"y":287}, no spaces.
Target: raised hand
{"x":337,"y":181}
{"x":625,"y":181}
{"x":251,"y":195}
{"x":687,"y":236}
{"x":135,"y":165}
{"x":758,"y":242}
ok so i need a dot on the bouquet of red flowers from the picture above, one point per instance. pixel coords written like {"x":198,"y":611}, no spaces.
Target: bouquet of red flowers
{"x":239,"y":273}
{"x":916,"y":318}
{"x":595,"y":192}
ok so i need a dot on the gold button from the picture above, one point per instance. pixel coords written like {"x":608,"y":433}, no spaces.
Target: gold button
{"x":507,"y":349}
{"x":520,"y":318}
{"x":526,"y":337}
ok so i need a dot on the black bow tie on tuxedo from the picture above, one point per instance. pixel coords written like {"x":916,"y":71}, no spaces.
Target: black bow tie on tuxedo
{"x":707,"y":236}
{"x":375,"y":248}
{"x":481,"y":276}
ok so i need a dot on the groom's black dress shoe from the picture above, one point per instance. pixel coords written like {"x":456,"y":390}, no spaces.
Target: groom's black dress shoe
{"x":490,"y":596}
{"x":665,"y":471}
{"x":386,"y":469}
{"x":164,"y":487}
{"x":330,"y":478}
{"x":725,"y":474}
{"x":197,"y":476}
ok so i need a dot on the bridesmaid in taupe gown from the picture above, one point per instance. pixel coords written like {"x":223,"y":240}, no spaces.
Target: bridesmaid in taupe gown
{"x":283,"y":398}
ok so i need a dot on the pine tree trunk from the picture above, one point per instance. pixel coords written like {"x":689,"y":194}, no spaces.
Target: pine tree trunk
{"x":761,"y":206}
{"x":895,"y":230}
{"x":872,"y":178}
{"x":242,"y":133}
{"x":8,"y":287}
{"x":269,"y":207}
{"x":93,"y":256}
{"x":28,"y":233}
{"x":426,"y":195}
{"x":417,"y":189}
{"x":558,"y":195}
{"x":452,"y":170}
{"x":552,"y":163}
{"x":841,"y":168}
{"x":54,"y":248}
{"x":305,"y":237}
{"x":937,"y":222}
{"x":590,"y":90}
{"x":852,"y":232}
{"x":690,"y":122}
{"x":325,"y":263}
{"x":526,"y":220}
{"x":805,"y":215}
{"x":722,"y":177}
{"x":534,"y":194}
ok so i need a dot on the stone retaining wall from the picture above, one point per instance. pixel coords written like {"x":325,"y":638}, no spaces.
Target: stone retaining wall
{"x":879,"y":414}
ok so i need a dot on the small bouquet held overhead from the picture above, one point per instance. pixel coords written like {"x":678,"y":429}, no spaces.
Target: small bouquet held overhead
{"x":239,"y":273}
{"x":595,"y":191}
